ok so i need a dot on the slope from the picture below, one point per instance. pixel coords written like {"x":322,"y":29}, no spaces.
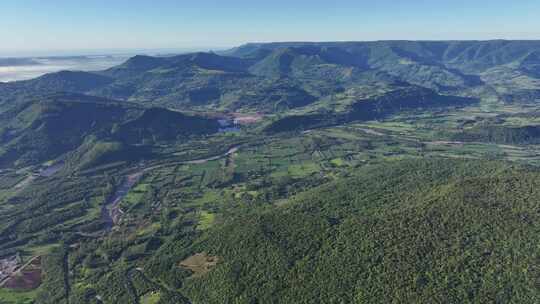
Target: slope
{"x":44,"y":128}
{"x":412,"y":231}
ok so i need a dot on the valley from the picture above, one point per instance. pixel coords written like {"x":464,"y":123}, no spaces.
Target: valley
{"x":276,"y":173}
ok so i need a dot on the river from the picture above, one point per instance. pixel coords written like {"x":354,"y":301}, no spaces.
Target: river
{"x":110,"y":211}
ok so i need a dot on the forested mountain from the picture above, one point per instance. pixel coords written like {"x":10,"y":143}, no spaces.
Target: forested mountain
{"x":339,"y":172}
{"x":417,"y":231}
{"x":501,"y":134}
{"x":437,"y":64}
{"x":244,"y":77}
{"x":467,"y":56}
{"x":376,"y":107}
{"x":44,"y":128}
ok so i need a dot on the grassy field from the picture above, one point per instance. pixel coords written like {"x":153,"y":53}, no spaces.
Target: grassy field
{"x":151,"y":298}
{"x":17,"y":297}
{"x":206,"y":221}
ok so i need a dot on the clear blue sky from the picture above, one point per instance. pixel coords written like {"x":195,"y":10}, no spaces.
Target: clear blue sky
{"x":27,"y":25}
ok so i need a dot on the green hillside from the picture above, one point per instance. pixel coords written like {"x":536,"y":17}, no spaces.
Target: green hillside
{"x":328,"y":172}
{"x":44,"y":128}
{"x":240,"y":79}
{"x":413,"y":231}
{"x":160,"y":125}
{"x":501,"y":134}
{"x":377,"y":107}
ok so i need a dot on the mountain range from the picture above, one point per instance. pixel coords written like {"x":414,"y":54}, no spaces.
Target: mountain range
{"x":279,"y":76}
{"x":324,"y":172}
{"x":307,"y":84}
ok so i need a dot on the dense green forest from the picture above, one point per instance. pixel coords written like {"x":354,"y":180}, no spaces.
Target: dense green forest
{"x":44,"y":128}
{"x":377,"y":107}
{"x":347,"y":172}
{"x":418,"y":231}
{"x":281,"y":76}
{"x":501,"y":134}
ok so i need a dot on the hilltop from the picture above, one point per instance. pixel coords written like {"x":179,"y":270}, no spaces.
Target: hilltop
{"x":280,"y":76}
{"x":45,"y":128}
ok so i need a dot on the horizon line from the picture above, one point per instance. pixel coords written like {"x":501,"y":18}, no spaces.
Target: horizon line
{"x":81,"y":52}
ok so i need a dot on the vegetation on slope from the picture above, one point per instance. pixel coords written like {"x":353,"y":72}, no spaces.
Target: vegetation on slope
{"x":242,"y":78}
{"x":500,"y":134}
{"x":233,"y":217}
{"x":158,"y":125}
{"x":46,"y":128}
{"x":405,"y":99}
{"x":413,"y":231}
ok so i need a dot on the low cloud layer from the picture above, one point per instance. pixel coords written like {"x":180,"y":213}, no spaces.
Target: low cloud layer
{"x":40,"y":66}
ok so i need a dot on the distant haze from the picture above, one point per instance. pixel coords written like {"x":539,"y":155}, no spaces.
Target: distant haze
{"x":31,"y":64}
{"x":13,"y":70}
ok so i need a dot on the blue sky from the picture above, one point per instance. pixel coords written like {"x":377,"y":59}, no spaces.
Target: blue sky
{"x":32,"y":25}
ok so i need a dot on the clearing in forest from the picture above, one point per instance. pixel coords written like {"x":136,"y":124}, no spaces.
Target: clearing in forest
{"x":200,"y":263}
{"x":27,"y":278}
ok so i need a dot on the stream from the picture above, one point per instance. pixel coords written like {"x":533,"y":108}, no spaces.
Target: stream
{"x":110,"y":211}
